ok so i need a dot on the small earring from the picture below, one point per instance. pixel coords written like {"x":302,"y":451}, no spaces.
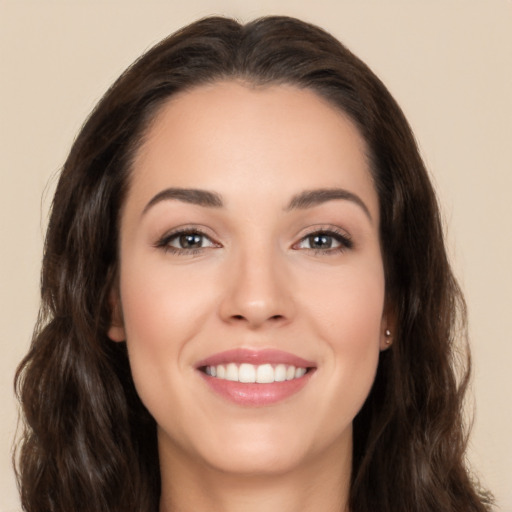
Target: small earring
{"x":387,"y":333}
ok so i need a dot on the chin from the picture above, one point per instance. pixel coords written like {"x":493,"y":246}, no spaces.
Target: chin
{"x":256,"y":459}
{"x":263,"y":450}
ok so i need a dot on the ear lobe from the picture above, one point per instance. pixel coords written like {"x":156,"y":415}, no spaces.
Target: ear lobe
{"x":387,"y":328}
{"x":386,"y":339}
{"x":116,"y":330}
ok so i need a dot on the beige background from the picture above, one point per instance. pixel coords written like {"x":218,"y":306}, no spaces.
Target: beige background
{"x":448,"y":63}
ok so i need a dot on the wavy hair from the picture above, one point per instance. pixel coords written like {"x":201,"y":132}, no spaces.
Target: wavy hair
{"x":88,"y":442}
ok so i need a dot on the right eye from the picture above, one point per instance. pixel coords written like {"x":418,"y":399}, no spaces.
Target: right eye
{"x":186,"y":242}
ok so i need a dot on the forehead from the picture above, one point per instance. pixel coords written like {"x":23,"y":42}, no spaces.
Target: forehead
{"x":228,"y":136}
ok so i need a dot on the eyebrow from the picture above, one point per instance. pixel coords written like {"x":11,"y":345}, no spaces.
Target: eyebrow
{"x":301,"y":201}
{"x":187,"y":195}
{"x":311,"y":198}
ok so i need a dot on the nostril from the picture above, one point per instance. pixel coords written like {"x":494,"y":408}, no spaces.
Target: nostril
{"x":272,"y":318}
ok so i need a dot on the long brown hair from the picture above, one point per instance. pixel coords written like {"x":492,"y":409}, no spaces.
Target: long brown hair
{"x":89,"y":444}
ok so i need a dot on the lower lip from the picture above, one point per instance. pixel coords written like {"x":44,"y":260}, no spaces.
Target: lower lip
{"x":254,"y":394}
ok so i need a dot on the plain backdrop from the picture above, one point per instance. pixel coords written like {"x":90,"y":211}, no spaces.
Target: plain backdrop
{"x":447,"y":62}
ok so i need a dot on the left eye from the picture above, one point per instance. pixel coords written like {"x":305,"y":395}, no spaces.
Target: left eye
{"x":324,"y":241}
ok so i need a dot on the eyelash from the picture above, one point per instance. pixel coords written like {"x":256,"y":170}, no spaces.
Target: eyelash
{"x":341,"y":237}
{"x":344,"y":240}
{"x":165,"y":241}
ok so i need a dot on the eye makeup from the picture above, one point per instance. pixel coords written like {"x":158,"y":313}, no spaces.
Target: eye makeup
{"x":325,"y":241}
{"x":187,"y":240}
{"x":191,"y":240}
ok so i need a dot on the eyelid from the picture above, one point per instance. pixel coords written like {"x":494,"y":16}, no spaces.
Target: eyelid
{"x":163,"y":242}
{"x":340,"y":235}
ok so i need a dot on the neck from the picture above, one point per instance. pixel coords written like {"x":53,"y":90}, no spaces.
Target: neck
{"x":320,"y":484}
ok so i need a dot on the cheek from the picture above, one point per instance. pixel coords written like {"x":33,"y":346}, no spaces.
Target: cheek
{"x":347,"y":305}
{"x":163,"y":303}
{"x":347,"y":314}
{"x":164,"y":308}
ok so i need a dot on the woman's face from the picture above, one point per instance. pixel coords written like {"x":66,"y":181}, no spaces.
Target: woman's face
{"x":249,"y":250}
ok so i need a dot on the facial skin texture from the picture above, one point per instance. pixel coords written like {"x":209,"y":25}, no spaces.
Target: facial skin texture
{"x":257,"y":284}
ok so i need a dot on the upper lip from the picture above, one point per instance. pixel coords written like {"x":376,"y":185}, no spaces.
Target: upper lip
{"x":256,"y":357}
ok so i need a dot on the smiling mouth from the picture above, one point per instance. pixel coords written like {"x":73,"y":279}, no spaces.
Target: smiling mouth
{"x":260,"y":374}
{"x":256,"y":378}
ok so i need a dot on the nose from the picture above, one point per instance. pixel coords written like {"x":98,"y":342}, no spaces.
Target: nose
{"x":257,"y":291}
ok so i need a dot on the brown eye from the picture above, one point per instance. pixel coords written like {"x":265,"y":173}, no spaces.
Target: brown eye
{"x":185,"y":241}
{"x":190,"y":241}
{"x":327,"y":241}
{"x":321,"y":241}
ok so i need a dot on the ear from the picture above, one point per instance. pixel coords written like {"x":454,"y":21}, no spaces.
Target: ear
{"x":387,"y":327}
{"x":116,"y":330}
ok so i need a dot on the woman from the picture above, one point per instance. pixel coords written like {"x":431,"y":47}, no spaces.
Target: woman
{"x":246,"y":300}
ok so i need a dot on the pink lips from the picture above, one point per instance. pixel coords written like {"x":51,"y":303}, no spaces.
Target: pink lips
{"x":243,"y":355}
{"x":255,"y":394}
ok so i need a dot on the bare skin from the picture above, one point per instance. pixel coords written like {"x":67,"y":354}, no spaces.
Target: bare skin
{"x":276,"y":248}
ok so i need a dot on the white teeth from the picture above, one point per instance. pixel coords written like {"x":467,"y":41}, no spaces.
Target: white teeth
{"x":231,"y":372}
{"x":265,"y":374}
{"x":299,"y":372}
{"x":249,"y":373}
{"x":280,"y":373}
